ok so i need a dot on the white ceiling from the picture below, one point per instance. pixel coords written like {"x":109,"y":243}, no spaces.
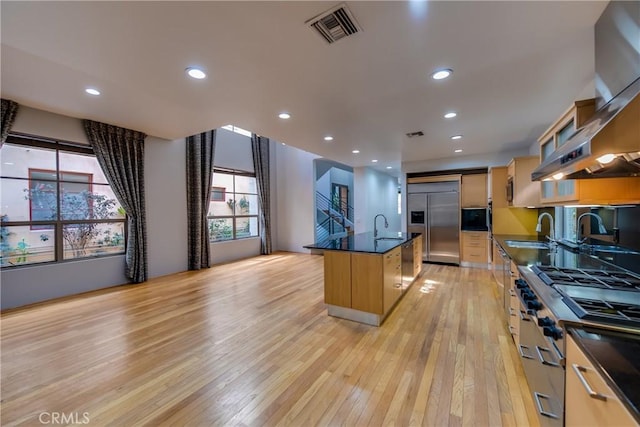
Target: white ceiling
{"x":517,"y":66}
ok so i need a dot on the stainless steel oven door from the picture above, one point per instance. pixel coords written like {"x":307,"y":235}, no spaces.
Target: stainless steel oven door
{"x":541,"y":360}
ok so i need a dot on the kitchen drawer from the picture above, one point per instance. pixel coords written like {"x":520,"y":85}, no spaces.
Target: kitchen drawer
{"x":589,"y":399}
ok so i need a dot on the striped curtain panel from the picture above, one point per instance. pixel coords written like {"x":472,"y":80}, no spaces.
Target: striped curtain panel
{"x":200,"y":154}
{"x":9,"y":110}
{"x":260,"y":151}
{"x":120,"y":153}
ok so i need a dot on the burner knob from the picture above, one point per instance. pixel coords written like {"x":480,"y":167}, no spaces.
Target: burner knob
{"x":534,"y":305}
{"x":527,"y":295}
{"x":553,"y":332}
{"x":521,"y":284}
{"x":546,"y":321}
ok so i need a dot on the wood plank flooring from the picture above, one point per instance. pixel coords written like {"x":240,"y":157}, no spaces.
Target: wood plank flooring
{"x":250,"y":343}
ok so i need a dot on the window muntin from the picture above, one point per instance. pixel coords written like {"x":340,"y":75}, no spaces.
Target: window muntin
{"x":53,"y":213}
{"x":236,"y":216}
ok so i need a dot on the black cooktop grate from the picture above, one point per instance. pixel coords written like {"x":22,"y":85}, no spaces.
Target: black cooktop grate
{"x":617,"y":280}
{"x":598,"y":310}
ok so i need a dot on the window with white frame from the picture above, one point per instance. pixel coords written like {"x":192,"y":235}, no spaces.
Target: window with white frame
{"x":56,"y":203}
{"x":233,"y":206}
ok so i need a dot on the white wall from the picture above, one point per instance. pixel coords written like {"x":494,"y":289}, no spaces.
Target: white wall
{"x":375,"y":192}
{"x":166,"y":199}
{"x":295,"y":198}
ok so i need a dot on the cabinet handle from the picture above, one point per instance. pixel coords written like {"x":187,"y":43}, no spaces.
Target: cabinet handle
{"x":579,"y":370}
{"x":539,"y":350}
{"x":511,"y":312}
{"x":524,"y":317}
{"x":511,"y":328}
{"x":512,"y":292}
{"x":537,"y":396}
{"x":521,"y":351}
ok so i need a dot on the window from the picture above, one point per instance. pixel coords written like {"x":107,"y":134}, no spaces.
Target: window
{"x":56,"y":204}
{"x":237,"y":130}
{"x":233,"y":213}
{"x":218,"y":194}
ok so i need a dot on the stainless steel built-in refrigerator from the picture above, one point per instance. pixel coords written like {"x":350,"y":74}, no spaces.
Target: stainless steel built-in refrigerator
{"x":434,"y":210}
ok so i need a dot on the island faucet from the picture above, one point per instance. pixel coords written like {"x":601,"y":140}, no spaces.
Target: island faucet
{"x":601,"y":228}
{"x":375,"y":228}
{"x":552,"y":232}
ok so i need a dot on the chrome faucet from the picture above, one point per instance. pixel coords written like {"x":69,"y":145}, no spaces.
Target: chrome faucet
{"x":552,"y":232}
{"x":375,"y":228}
{"x":601,"y":228}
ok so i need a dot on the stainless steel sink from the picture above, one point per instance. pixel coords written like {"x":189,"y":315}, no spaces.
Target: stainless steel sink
{"x":526,"y":244}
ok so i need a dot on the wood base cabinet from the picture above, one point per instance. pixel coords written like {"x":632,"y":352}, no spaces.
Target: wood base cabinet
{"x":475,"y":250}
{"x":589,"y":400}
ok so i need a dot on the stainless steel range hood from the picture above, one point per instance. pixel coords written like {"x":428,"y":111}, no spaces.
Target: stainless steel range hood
{"x":607,"y":146}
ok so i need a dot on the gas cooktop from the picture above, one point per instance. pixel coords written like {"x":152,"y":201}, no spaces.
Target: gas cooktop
{"x":618,"y":280}
{"x":596,"y":295}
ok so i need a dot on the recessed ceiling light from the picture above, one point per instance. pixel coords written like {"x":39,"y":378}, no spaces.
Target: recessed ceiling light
{"x":389,"y":167}
{"x":328,"y":138}
{"x":457,"y":151}
{"x":92,"y":91}
{"x":456,"y":137}
{"x":450,"y":115}
{"x":441,"y":74}
{"x":374,"y":161}
{"x":283,"y":143}
{"x":557,"y":176}
{"x":355,"y":151}
{"x":196,"y":73}
{"x":284,"y":116}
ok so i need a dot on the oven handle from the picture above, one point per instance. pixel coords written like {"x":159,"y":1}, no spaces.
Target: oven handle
{"x":579,"y":370}
{"x":537,"y":396}
{"x":539,"y":350}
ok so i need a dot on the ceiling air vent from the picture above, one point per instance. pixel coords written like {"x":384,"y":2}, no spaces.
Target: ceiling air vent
{"x":418,"y":133}
{"x":335,"y":24}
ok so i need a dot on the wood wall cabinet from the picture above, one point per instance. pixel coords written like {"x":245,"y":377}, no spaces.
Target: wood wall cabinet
{"x":475,"y":248}
{"x":591,"y":191}
{"x":473,"y":191}
{"x":581,"y":409}
{"x":417,"y":256}
{"x":526,"y":193}
{"x":559,"y":132}
{"x":497,"y":187}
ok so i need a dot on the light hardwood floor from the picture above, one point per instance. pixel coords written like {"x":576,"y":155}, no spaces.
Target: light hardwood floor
{"x":250,"y":343}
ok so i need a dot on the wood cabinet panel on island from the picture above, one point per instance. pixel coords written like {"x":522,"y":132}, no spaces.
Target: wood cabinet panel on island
{"x":417,"y":256}
{"x":364,"y":286}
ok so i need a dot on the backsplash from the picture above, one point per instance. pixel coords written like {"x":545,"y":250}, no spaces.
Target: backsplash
{"x":629,"y":226}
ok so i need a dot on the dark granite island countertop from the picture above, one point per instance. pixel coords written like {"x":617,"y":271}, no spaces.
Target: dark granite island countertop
{"x":365,"y":242}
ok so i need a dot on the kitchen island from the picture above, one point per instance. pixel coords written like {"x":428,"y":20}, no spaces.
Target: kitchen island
{"x":365,"y":276}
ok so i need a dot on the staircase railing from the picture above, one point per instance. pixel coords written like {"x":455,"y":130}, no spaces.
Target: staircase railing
{"x":332,"y":218}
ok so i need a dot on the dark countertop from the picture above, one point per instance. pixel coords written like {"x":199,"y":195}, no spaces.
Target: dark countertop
{"x":365,"y":242}
{"x":564,"y":257}
{"x":615,"y":355}
{"x":613,"y":352}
